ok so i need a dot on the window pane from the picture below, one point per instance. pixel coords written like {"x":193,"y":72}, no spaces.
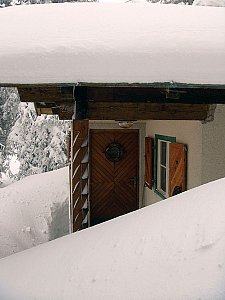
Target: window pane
{"x":163,"y":153}
{"x":163,"y":178}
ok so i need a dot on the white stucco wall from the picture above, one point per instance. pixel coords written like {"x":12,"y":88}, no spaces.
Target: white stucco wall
{"x":213,"y":147}
{"x":189,"y":133}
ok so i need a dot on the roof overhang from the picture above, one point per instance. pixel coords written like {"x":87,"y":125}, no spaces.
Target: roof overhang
{"x":160,"y":101}
{"x":128,"y":61}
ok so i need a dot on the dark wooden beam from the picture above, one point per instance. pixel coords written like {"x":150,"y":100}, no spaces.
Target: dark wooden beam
{"x":126,"y":102}
{"x":65,"y":111}
{"x":129,"y":93}
{"x":46,"y":93}
{"x":146,"y":111}
{"x":164,"y":85}
{"x":156,"y":95}
{"x":81,"y":103}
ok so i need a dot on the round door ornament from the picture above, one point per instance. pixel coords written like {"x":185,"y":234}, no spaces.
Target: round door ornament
{"x":114,"y":152}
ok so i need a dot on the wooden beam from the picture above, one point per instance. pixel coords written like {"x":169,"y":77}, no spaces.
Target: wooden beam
{"x":65,"y":110}
{"x":45,"y":93}
{"x":146,"y":111}
{"x":165,"y":85}
{"x":81,"y":103}
{"x":156,"y":95}
{"x":128,"y":93}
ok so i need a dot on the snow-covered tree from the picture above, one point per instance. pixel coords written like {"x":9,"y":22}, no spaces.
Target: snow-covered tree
{"x":5,"y":3}
{"x":9,"y":103}
{"x":209,"y":2}
{"x":39,"y":143}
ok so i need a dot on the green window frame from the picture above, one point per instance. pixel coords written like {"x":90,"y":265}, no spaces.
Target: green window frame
{"x":161,"y":164}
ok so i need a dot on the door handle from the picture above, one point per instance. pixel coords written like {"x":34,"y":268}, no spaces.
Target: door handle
{"x":133,"y":180}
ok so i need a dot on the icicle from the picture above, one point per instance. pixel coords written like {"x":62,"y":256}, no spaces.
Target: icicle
{"x":85,"y":142}
{"x":85,"y":190}
{"x":85,"y":175}
{"x":85,"y":159}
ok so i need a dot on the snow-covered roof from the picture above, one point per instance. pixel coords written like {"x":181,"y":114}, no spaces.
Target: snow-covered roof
{"x":171,"y":250}
{"x":111,"y":43}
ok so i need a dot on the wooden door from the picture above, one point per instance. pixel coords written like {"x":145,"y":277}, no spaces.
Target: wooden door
{"x":114,"y":173}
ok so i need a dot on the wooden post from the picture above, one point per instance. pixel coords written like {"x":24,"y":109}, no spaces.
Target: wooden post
{"x":79,"y":199}
{"x":81,"y":103}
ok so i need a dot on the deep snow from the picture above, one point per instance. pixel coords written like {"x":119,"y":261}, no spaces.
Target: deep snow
{"x":34,"y":210}
{"x":4,"y":180}
{"x":110,"y":43}
{"x":173,"y":250}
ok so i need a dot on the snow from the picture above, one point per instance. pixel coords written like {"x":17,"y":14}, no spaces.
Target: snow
{"x":111,"y":43}
{"x":34,"y":210}
{"x":172,"y":250}
{"x":4,"y":180}
{"x":14,"y":165}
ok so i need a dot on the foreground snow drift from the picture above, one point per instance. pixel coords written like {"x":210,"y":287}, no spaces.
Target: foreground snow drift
{"x":171,"y":250}
{"x":33,"y":210}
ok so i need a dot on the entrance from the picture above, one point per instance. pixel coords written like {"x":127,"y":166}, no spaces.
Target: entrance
{"x":114,"y":174}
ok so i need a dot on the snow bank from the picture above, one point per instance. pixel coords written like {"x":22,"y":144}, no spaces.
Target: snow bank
{"x":33,"y":210}
{"x":110,"y":43}
{"x":171,"y":250}
{"x":4,"y":180}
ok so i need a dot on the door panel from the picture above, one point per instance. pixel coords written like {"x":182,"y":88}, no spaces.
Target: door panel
{"x":114,"y":184}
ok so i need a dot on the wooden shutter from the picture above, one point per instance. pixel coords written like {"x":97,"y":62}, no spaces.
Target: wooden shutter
{"x":149,"y":151}
{"x":79,"y":173}
{"x":177,"y":168}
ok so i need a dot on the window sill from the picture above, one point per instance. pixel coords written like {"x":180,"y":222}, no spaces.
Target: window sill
{"x":163,"y":197}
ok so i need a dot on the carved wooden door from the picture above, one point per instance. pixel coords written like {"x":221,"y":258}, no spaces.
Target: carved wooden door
{"x":114,"y":180}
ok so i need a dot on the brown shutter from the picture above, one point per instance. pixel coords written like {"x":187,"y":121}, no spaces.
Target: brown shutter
{"x":149,"y":151}
{"x":178,"y":168}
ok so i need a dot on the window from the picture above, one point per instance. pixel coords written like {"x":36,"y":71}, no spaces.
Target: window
{"x":162,"y":164}
{"x":165,"y":165}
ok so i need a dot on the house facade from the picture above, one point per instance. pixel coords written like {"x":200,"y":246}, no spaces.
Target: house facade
{"x":103,"y":71}
{"x":205,"y":146}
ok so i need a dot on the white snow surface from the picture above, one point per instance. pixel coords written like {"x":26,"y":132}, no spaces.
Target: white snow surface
{"x":4,"y":180}
{"x":111,"y":43}
{"x":34,"y":210}
{"x":172,"y":250}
